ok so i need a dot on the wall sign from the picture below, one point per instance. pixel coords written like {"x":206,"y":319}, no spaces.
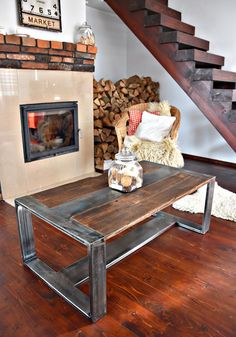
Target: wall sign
{"x":44,"y":14}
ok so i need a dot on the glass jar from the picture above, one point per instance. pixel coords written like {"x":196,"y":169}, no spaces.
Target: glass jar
{"x":125,"y":173}
{"x":85,"y":35}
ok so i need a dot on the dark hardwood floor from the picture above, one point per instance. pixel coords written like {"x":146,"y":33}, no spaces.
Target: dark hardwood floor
{"x":182,"y":284}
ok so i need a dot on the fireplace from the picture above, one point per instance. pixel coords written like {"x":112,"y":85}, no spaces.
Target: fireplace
{"x":20,"y":87}
{"x":49,"y":129}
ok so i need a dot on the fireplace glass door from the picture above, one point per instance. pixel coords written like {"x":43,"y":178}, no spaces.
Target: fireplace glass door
{"x":49,"y":129}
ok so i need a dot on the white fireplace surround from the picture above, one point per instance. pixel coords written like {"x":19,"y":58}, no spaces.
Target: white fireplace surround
{"x":17,"y":87}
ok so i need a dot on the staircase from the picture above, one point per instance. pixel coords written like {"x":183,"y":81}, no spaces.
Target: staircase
{"x":186,"y":58}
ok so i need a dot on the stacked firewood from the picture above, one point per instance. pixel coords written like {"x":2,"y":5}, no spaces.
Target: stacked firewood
{"x":111,"y":101}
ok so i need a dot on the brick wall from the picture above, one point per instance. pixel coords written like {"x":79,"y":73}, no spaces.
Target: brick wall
{"x":29,"y":53}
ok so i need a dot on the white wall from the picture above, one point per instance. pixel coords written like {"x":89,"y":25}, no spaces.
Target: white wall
{"x":110,"y":35}
{"x":214,"y":21}
{"x":72,"y":15}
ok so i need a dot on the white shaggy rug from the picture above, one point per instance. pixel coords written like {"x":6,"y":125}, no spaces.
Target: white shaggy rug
{"x":224,"y":203}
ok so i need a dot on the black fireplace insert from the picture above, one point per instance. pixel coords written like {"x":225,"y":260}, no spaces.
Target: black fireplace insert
{"x":49,"y":129}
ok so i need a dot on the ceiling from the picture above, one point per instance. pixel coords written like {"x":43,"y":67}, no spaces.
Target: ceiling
{"x":99,"y":4}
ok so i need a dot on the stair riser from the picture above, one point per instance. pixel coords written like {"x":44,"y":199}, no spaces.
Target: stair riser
{"x":164,"y":2}
{"x":223,"y":95}
{"x":199,"y":56}
{"x":165,"y":21}
{"x":224,"y":85}
{"x":232,"y":116}
{"x":184,"y":39}
{"x":153,"y":6}
{"x":226,"y":107}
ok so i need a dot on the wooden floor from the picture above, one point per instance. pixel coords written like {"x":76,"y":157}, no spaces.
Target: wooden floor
{"x":182,"y":284}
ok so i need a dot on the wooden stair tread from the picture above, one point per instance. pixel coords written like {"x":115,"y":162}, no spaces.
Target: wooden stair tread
{"x":153,"y":6}
{"x":169,"y":22}
{"x":184,"y":39}
{"x":199,"y":56}
{"x":214,"y":75}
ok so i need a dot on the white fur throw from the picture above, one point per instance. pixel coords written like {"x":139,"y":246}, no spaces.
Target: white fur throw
{"x":224,"y":202}
{"x":165,"y":152}
{"x":163,"y":106}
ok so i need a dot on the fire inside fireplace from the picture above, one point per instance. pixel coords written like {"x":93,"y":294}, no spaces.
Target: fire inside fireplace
{"x":49,"y":129}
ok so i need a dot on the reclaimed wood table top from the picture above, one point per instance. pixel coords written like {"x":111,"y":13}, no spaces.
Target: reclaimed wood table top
{"x":91,"y":203}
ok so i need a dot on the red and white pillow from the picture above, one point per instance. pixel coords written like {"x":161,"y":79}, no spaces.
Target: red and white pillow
{"x":135,"y":118}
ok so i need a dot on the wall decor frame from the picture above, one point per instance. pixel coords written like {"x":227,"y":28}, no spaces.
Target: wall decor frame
{"x":41,"y":14}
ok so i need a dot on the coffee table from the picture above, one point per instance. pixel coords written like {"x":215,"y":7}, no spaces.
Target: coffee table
{"x":110,"y":223}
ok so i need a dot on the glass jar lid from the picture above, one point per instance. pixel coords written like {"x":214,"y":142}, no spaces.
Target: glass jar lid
{"x":85,"y":25}
{"x":125,"y":155}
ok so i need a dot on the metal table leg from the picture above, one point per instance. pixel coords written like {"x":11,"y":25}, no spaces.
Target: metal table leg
{"x":26,"y":234}
{"x":94,"y":306}
{"x":202,"y":229}
{"x":97,"y":279}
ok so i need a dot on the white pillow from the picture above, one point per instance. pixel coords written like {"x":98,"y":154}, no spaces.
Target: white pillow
{"x":154,"y":128}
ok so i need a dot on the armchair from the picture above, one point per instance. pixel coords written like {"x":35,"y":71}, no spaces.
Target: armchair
{"x":165,"y":152}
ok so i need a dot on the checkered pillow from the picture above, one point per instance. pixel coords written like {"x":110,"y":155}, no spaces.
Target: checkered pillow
{"x":135,"y":118}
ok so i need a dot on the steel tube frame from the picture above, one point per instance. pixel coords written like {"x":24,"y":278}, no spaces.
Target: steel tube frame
{"x":93,"y":267}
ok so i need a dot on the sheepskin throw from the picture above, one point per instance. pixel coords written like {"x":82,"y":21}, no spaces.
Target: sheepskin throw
{"x":163,"y":106}
{"x":165,"y":152}
{"x":224,"y":203}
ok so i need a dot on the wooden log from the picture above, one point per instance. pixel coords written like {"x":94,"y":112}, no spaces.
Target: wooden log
{"x":105,"y":99}
{"x":106,"y":121}
{"x":107,"y":156}
{"x":108,"y":105}
{"x":111,"y":116}
{"x":117,"y":117}
{"x":96,"y":132}
{"x":97,"y":139}
{"x":99,"y":161}
{"x":133,"y":79}
{"x":111,"y":148}
{"x":102,"y":82}
{"x":106,"y":131}
{"x":101,"y":113}
{"x":96,"y":113}
{"x":97,"y":102}
{"x":104,"y":147}
{"x":124,"y":91}
{"x":116,"y":94}
{"x":103,"y":137}
{"x":110,"y":139}
{"x":98,"y":124}
{"x":98,"y":152}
